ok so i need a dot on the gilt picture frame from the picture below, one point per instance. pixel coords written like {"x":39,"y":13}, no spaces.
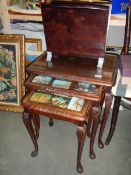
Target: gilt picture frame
{"x":12,"y":72}
{"x":33,"y":44}
{"x":33,"y":48}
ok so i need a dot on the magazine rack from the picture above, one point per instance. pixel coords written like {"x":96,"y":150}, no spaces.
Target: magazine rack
{"x":65,"y":83}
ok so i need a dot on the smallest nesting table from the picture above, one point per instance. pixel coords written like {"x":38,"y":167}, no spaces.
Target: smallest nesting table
{"x":32,"y":110}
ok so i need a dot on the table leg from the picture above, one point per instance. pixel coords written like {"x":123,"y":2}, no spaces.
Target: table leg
{"x":108,"y":101}
{"x":96,"y":117}
{"x":36,"y":122}
{"x":89,"y":124}
{"x":27,"y":119}
{"x":114,"y":119}
{"x":51,"y":122}
{"x":81,"y":134}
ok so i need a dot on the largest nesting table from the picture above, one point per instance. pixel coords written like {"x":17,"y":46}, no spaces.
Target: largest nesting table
{"x":75,"y":71}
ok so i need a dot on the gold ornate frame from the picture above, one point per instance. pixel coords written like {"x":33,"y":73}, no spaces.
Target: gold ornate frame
{"x":37,"y":47}
{"x":37,"y":42}
{"x":14,"y":46}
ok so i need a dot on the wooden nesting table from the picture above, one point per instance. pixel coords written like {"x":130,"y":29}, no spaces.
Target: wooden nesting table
{"x":74,"y":70}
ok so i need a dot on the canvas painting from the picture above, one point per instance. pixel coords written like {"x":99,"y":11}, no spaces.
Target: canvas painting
{"x":33,"y":44}
{"x":8,"y":73}
{"x":11,"y":72}
{"x":33,"y":49}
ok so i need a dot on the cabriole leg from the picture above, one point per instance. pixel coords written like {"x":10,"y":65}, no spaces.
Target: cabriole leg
{"x":27,"y":119}
{"x":36,"y":122}
{"x":114,"y":119}
{"x":96,"y":116}
{"x":51,"y":122}
{"x":89,"y":126}
{"x":81,"y":134}
{"x":108,"y":101}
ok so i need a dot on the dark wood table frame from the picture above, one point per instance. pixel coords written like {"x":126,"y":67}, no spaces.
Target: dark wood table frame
{"x":31,"y":120}
{"x":73,"y":73}
{"x":87,"y":74}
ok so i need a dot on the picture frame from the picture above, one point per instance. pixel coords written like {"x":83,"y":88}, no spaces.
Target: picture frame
{"x":33,"y":44}
{"x":12,"y":72}
{"x":33,"y":48}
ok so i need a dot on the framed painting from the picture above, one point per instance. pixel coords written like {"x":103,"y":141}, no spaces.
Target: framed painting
{"x":33,"y":48}
{"x":12,"y":72}
{"x":33,"y":44}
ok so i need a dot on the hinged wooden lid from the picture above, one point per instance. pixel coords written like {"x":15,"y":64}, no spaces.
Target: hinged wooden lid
{"x":75,"y":29}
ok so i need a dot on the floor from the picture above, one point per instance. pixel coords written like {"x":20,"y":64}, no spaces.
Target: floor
{"x":58,"y":146}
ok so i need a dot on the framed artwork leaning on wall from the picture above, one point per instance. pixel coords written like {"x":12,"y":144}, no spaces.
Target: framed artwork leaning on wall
{"x":33,"y":44}
{"x":12,"y":72}
{"x":33,"y":48}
